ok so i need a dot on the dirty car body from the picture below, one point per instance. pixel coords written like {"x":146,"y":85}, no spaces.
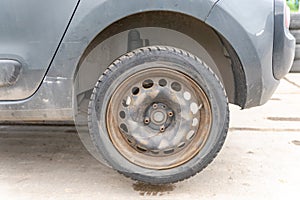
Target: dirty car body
{"x":50,"y":63}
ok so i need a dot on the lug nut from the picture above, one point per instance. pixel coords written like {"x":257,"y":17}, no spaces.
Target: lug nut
{"x":147,"y":120}
{"x":170,"y":114}
{"x":162,"y":129}
{"x":155,"y":106}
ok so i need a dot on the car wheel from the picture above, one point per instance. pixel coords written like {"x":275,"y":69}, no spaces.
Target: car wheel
{"x":158,"y":115}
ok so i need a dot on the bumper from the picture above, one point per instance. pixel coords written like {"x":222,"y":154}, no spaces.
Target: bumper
{"x":253,"y":43}
{"x":284,"y":43}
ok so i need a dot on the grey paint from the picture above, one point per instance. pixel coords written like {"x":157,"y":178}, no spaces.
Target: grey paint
{"x":283,"y":49}
{"x":251,"y":36}
{"x":252,"y":39}
{"x":30,"y":32}
{"x":91,"y":17}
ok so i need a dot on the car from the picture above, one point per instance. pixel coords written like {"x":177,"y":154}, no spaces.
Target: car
{"x":147,"y":83}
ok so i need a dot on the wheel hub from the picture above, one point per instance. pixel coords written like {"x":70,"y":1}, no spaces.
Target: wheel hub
{"x":158,"y":116}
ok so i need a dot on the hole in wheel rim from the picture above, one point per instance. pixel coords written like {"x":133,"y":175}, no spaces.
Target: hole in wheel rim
{"x":176,"y":86}
{"x":148,"y":84}
{"x":162,"y":82}
{"x":124,"y":128}
{"x":122,"y":114}
{"x":135,"y":90}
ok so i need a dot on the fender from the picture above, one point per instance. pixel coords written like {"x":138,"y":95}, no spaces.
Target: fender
{"x":252,"y":39}
{"x":93,"y":16}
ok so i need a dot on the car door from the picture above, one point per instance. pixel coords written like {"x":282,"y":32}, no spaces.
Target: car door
{"x":30,"y":33}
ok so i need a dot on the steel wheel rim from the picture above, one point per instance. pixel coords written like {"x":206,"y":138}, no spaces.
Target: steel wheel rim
{"x":158,"y":118}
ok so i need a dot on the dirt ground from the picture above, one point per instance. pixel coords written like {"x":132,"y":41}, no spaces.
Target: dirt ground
{"x":260,"y":160}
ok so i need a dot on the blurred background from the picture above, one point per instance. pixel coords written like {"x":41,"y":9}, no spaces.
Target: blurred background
{"x":293,"y":4}
{"x":295,"y":30}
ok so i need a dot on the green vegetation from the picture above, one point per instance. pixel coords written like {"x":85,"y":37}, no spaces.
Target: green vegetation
{"x":293,"y":4}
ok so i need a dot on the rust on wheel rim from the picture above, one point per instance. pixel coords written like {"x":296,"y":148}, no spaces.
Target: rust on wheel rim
{"x":158,"y":118}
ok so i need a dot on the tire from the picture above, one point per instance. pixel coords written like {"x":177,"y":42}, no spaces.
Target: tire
{"x":144,"y":115}
{"x":295,"y":21}
{"x":296,"y":34}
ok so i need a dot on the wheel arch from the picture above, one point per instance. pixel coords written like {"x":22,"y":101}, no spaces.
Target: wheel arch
{"x":227,"y":64}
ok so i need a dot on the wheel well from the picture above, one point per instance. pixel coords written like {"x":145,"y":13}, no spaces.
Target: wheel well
{"x":164,"y":28}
